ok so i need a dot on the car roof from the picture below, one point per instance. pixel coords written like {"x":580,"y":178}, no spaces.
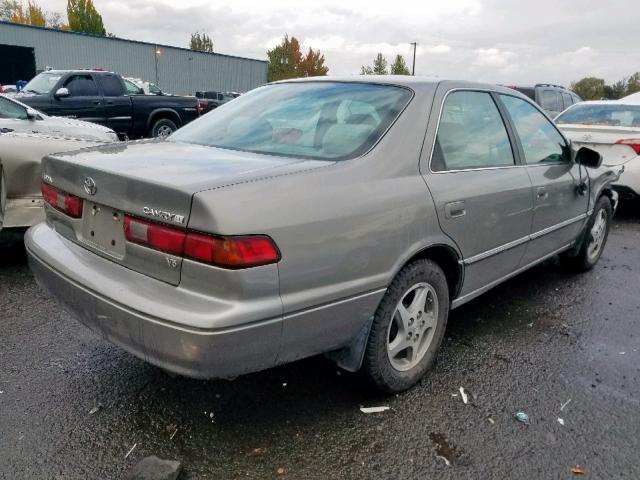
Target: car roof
{"x":410,"y":81}
{"x":77,"y":70}
{"x":622,"y":101}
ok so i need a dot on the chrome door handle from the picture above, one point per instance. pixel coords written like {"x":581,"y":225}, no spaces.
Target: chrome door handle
{"x":454,"y":209}
{"x":541,"y":194}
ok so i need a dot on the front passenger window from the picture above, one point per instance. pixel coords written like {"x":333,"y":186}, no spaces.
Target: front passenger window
{"x":471,"y":134}
{"x":541,"y":141}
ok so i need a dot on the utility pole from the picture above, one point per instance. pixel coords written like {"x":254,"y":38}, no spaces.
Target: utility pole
{"x":413,"y":69}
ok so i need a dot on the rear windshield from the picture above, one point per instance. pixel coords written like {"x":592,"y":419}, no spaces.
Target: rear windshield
{"x":319,"y":120}
{"x":610,"y":115}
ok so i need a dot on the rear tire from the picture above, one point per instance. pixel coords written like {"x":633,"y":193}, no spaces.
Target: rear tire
{"x":594,"y":240}
{"x":162,"y":128}
{"x":408,"y":327}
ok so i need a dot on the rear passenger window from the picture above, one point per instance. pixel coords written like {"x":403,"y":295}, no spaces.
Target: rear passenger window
{"x":550,"y":100}
{"x":111,"y":86}
{"x":540,"y":140}
{"x":81,"y":86}
{"x":567,"y":100}
{"x":471,"y":134}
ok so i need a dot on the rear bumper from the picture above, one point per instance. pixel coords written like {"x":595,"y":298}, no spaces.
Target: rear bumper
{"x":628,"y":185}
{"x":23,"y":212}
{"x":71,"y":275}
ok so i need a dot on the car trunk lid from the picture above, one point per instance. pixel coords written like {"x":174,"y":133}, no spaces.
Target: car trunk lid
{"x":154,"y":181}
{"x":603,"y":139}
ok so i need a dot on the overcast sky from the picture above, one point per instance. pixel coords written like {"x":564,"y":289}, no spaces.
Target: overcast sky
{"x":501,"y":41}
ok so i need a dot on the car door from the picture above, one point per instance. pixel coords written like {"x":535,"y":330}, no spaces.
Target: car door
{"x":482,"y":193}
{"x":560,"y":204}
{"x":84,"y":101}
{"x":117,"y":104}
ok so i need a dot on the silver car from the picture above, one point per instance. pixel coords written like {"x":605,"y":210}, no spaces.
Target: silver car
{"x":21,"y":203}
{"x":17,"y":117}
{"x":339,"y":216}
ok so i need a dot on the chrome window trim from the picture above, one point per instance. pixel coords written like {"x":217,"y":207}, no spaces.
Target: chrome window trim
{"x":473,"y":169}
{"x":520,"y":241}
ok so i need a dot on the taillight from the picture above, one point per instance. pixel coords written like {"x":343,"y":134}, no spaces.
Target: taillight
{"x":231,"y":252}
{"x":199,"y":108}
{"x":227,"y":252}
{"x":62,"y":201}
{"x":153,"y":235}
{"x":631,"y":142}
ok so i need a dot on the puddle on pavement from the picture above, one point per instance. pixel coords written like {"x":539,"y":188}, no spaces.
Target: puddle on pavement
{"x":443,"y":447}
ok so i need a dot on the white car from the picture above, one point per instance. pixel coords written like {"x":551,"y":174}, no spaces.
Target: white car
{"x":633,"y":98}
{"x":613,"y":129}
{"x":20,"y":118}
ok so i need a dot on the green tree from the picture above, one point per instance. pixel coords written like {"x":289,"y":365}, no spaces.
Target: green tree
{"x":201,"y":42}
{"x":589,"y":88}
{"x":633,"y":84}
{"x":399,"y":66}
{"x":287,"y":61}
{"x":83,"y":17}
{"x":616,"y":90}
{"x":379,"y":66}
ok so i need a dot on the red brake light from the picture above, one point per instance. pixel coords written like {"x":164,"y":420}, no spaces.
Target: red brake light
{"x":62,"y":201}
{"x":153,"y":235}
{"x":231,"y":252}
{"x":632,"y":142}
{"x":226,"y":252}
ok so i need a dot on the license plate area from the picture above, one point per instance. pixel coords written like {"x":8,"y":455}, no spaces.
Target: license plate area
{"x":102,"y":229}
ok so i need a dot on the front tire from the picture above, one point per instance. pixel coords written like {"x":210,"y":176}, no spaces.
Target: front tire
{"x":595,"y":238}
{"x":407,"y":327}
{"x":162,"y":128}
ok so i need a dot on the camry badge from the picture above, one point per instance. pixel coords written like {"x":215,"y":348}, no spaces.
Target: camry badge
{"x":90,"y":186}
{"x":586,"y":137}
{"x":154,"y":212}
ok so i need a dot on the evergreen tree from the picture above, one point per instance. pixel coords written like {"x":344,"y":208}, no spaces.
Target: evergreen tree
{"x":399,"y":67}
{"x":201,"y":42}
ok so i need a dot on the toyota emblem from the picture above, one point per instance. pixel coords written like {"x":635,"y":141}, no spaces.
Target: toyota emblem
{"x":90,"y":186}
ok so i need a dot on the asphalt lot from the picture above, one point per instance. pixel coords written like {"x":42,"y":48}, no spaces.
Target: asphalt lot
{"x":546,"y":339}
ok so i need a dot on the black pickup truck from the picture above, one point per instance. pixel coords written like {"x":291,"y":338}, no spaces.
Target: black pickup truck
{"x":105,"y":98}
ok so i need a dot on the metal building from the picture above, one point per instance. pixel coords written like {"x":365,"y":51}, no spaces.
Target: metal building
{"x":27,"y":50}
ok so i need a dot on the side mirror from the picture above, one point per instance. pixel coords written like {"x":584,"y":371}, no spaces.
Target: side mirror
{"x":33,"y":114}
{"x":62,"y":92}
{"x":588,"y":157}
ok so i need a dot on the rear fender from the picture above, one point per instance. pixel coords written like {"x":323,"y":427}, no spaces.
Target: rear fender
{"x":169,"y":113}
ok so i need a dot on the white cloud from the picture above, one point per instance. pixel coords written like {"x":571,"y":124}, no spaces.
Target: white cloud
{"x":491,"y":40}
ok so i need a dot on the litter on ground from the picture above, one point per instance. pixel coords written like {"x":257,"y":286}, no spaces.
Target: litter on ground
{"x":522,"y":417}
{"x":465,"y":397}
{"x":374,"y":409}
{"x":131,"y":450}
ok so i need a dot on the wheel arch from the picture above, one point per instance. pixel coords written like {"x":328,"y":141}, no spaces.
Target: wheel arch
{"x":160,"y":113}
{"x":447,"y":258}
